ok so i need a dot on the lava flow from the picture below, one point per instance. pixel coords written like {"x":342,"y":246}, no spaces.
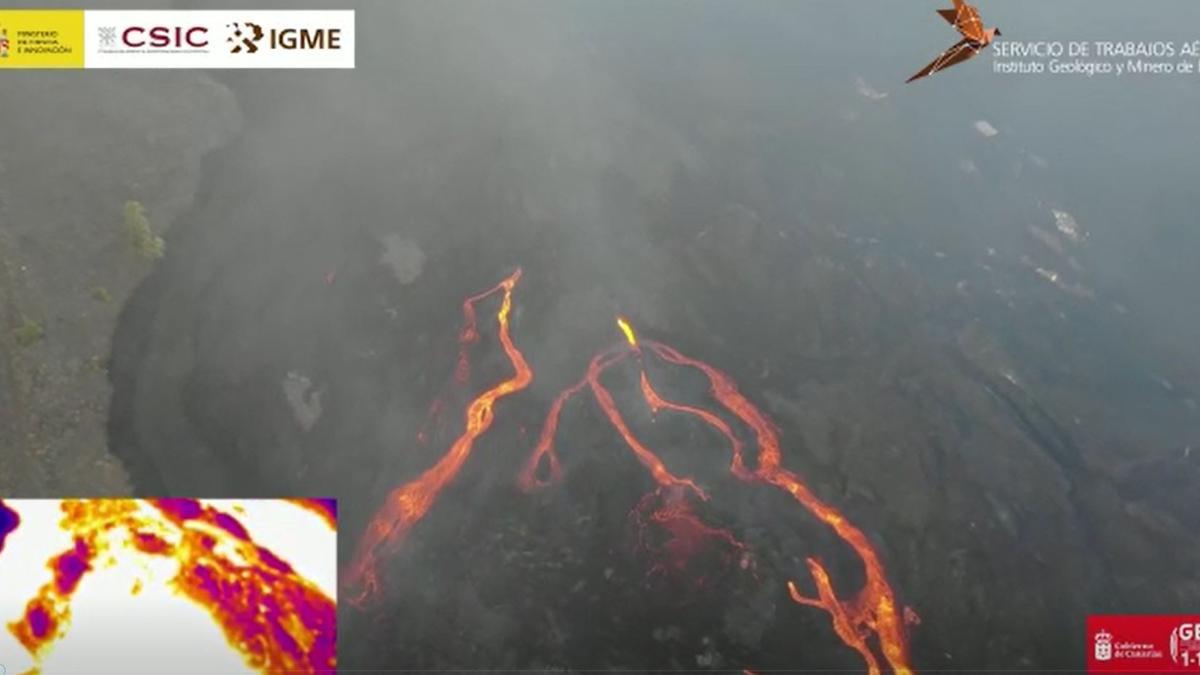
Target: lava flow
{"x":870,"y":622}
{"x":544,"y":451}
{"x":410,"y":502}
{"x":874,"y":608}
{"x":872,"y":611}
{"x":269,"y":614}
{"x":686,"y":537}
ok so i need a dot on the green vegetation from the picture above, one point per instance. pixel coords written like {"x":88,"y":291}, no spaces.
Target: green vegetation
{"x":101,"y":294}
{"x":137,"y":228}
{"x":28,"y":333}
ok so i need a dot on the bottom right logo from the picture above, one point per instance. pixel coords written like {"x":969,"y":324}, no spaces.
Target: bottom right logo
{"x":1143,"y":642}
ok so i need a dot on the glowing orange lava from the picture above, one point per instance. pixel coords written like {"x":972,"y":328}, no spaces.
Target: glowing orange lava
{"x":544,"y":450}
{"x":653,"y":464}
{"x":407,"y":504}
{"x":687,"y":538}
{"x":872,"y":611}
{"x":627,"y":330}
{"x":869,"y":621}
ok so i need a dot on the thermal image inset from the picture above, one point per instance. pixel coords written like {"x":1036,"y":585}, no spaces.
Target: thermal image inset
{"x":167,"y":585}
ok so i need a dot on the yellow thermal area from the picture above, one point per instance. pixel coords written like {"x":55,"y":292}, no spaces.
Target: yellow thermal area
{"x":627,"y":330}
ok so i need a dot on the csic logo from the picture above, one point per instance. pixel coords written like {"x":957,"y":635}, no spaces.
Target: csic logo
{"x":244,"y":39}
{"x":1185,"y":644}
{"x":156,"y":37}
{"x":1103,"y":645}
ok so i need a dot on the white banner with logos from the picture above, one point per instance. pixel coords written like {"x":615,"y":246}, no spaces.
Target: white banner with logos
{"x":219,"y":39}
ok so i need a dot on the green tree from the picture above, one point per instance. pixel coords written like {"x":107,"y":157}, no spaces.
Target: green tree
{"x":141,"y":238}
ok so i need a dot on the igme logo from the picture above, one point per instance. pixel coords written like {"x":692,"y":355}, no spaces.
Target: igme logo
{"x":244,"y":37}
{"x":304,"y":38}
{"x":247,"y":37}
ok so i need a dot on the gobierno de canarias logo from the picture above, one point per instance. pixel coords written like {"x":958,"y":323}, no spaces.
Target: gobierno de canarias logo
{"x":1143,"y":643}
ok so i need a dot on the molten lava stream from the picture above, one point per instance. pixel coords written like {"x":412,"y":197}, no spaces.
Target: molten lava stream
{"x":874,"y":607}
{"x":653,"y":464}
{"x":407,"y":504}
{"x":544,"y":450}
{"x":873,"y":610}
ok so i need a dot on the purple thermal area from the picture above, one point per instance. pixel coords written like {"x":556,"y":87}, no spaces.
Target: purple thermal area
{"x":180,"y":509}
{"x":273,"y":561}
{"x":9,"y":521}
{"x":39,"y":622}
{"x":323,"y":649}
{"x":320,"y":618}
{"x":70,"y":566}
{"x":265,"y":622}
{"x":285,"y":641}
{"x":330,"y":506}
{"x":207,"y":582}
{"x":230,"y":525}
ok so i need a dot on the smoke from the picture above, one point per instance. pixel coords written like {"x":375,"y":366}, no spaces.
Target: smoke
{"x":495,"y":127}
{"x":507,"y":95}
{"x":342,"y":228}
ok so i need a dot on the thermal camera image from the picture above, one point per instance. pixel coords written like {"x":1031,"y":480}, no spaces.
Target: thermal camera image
{"x":168,"y":585}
